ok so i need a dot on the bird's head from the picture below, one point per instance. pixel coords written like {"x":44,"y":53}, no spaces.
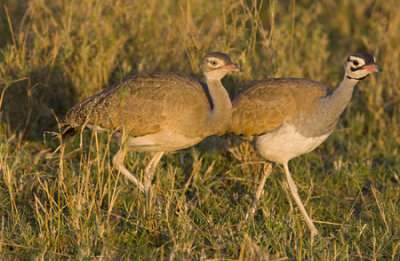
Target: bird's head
{"x":216,"y":65}
{"x":359,"y":65}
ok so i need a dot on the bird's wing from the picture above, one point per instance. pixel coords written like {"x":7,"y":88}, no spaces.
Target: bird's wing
{"x":142,"y":104}
{"x":266,"y":104}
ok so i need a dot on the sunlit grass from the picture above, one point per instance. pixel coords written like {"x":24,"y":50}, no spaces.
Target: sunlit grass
{"x":73,"y":204}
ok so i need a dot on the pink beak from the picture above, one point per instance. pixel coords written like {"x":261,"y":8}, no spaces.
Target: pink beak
{"x":372,"y":68}
{"x":232,"y":67}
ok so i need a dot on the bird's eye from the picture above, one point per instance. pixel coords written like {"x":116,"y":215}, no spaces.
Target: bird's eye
{"x":213,"y":63}
{"x":355,"y":63}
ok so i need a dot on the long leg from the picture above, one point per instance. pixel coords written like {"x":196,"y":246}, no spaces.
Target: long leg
{"x":266,"y":173}
{"x":118,"y":161}
{"x":295,"y":194}
{"x":150,"y":169}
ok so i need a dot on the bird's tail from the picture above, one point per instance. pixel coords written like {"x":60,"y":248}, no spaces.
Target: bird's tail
{"x":69,"y":131}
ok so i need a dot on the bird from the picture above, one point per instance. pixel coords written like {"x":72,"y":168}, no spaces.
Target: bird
{"x":288,"y":117}
{"x":158,"y":112}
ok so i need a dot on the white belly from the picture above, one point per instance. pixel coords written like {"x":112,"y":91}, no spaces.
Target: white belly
{"x":285,"y":144}
{"x":162,"y":141}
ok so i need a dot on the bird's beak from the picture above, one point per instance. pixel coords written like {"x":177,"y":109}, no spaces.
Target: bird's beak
{"x":372,"y":68}
{"x":232,"y":67}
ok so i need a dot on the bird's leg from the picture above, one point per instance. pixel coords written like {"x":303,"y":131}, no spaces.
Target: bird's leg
{"x":149,"y":171}
{"x":118,"y":161}
{"x":267,"y":169}
{"x":295,"y":194}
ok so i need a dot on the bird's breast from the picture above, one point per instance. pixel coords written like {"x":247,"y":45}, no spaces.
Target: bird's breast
{"x":286,"y":143}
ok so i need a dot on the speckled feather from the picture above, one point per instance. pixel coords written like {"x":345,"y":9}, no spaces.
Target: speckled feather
{"x":264,"y":105}
{"x":145,"y":103}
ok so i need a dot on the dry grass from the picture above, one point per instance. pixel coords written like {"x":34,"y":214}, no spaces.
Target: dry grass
{"x":74,"y":205}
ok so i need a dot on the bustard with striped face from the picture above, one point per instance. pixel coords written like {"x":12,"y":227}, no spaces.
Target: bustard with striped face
{"x":289,"y":116}
{"x":158,"y":112}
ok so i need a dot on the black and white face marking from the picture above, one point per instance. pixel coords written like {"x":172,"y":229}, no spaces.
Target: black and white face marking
{"x":216,"y":64}
{"x":359,"y":65}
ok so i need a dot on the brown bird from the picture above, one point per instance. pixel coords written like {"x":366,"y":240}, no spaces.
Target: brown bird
{"x":289,"y":117}
{"x":158,"y":112}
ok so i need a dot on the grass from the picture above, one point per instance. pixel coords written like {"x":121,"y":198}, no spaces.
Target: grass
{"x":73,"y":204}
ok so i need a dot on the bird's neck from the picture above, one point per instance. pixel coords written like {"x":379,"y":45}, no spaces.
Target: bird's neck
{"x":331,"y":107}
{"x":337,"y":102}
{"x":220,"y":116}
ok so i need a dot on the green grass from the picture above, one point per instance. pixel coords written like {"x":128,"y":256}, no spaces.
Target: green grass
{"x":73,"y":204}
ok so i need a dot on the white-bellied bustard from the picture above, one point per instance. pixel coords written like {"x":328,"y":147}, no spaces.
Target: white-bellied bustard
{"x":158,"y":112}
{"x":289,"y":117}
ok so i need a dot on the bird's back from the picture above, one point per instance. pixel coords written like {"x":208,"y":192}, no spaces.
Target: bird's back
{"x":144,"y":104}
{"x":266,"y":104}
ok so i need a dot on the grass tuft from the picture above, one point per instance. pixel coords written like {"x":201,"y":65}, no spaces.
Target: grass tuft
{"x":73,"y":204}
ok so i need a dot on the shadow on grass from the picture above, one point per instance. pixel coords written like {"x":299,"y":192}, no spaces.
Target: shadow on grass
{"x":31,"y":102}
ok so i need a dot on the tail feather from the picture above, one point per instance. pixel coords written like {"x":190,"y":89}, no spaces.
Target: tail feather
{"x":69,"y":131}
